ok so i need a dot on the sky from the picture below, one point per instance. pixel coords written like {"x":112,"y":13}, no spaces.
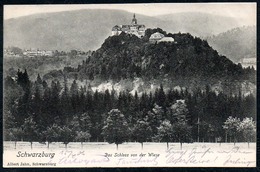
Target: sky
{"x":246,"y":11}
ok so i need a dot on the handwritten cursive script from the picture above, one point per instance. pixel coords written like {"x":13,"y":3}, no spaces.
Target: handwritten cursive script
{"x":79,"y":157}
{"x":204,"y":156}
{"x":139,"y":160}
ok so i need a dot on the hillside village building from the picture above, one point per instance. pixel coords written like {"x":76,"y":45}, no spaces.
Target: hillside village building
{"x":133,"y":28}
{"x":245,"y":62}
{"x":36,"y":53}
{"x":29,"y":53}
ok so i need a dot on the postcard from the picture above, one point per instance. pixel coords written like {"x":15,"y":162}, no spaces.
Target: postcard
{"x":129,"y":85}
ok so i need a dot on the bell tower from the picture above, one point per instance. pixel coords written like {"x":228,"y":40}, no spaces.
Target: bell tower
{"x":134,"y":20}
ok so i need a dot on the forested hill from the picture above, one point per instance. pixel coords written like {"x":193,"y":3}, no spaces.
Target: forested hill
{"x":80,"y":112}
{"x":186,"y":59}
{"x":237,"y":43}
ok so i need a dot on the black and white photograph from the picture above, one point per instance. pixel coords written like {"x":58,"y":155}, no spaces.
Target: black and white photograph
{"x":129,"y":85}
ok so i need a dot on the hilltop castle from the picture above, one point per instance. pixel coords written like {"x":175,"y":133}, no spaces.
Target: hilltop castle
{"x":133,"y":28}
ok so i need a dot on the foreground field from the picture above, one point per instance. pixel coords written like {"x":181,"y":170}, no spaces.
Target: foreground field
{"x":101,"y":154}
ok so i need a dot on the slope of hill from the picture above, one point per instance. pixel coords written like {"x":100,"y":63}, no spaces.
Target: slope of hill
{"x":198,"y":24}
{"x":187,"y":56}
{"x":86,"y":29}
{"x":188,"y":62}
{"x":236,"y":44}
{"x":83,"y":29}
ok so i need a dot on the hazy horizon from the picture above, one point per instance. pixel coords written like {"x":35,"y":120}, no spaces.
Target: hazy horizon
{"x":245,"y":11}
{"x":202,"y":20}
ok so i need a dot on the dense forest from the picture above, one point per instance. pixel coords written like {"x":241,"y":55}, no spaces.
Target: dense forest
{"x":51,"y":109}
{"x":36,"y":111}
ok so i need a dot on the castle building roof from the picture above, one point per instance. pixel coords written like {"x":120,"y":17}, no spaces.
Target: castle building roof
{"x":166,"y":39}
{"x":156,"y":36}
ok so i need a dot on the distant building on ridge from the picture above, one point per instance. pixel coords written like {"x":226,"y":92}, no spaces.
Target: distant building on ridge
{"x":159,"y":37}
{"x":37,"y":53}
{"x":166,"y":39}
{"x":133,"y":28}
{"x":245,"y":62}
{"x":156,"y":37}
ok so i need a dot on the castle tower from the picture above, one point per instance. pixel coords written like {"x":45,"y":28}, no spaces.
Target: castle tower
{"x":134,"y":20}
{"x":133,"y":28}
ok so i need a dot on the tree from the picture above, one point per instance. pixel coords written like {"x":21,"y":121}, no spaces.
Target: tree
{"x":154,"y":117}
{"x":52,"y":134}
{"x":36,"y":103}
{"x":207,"y":130}
{"x":178,"y":111}
{"x":24,"y":100}
{"x":65,"y":102}
{"x":73,"y":53}
{"x":248,"y":128}
{"x":66,"y":134}
{"x":74,"y":95}
{"x":115,"y":129}
{"x":107,"y":100}
{"x":82,"y":136}
{"x":165,"y":132}
{"x":142,"y":131}
{"x":81,"y":126}
{"x":16,"y":50}
{"x":23,"y":79}
{"x":178,"y":115}
{"x":14,"y":134}
{"x":12,"y":120}
{"x":182,"y":132}
{"x":74,"y":89}
{"x":29,"y":129}
{"x":84,"y":122}
{"x":231,"y":127}
{"x":38,"y":79}
{"x":161,"y":96}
